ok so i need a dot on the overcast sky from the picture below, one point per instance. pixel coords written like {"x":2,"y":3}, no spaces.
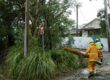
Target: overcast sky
{"x":88,"y":10}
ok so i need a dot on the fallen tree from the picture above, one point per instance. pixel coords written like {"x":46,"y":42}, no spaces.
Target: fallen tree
{"x":77,"y":52}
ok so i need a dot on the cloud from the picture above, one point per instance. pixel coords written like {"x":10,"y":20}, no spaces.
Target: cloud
{"x":88,"y":10}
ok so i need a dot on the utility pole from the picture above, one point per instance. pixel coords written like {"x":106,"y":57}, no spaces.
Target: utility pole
{"x":109,"y":4}
{"x":77,"y":6}
{"x":26,"y":28}
{"x":107,"y":23}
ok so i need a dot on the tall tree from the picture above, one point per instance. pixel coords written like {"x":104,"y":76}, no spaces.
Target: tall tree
{"x":101,"y":15}
{"x":55,"y":16}
{"x":53,"y":12}
{"x":10,"y":9}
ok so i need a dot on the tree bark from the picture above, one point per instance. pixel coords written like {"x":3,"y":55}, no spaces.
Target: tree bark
{"x":35,"y":19}
{"x":74,"y":51}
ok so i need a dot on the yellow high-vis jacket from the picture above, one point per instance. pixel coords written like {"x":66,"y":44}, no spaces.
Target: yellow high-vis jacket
{"x":92,"y":52}
{"x":98,"y":45}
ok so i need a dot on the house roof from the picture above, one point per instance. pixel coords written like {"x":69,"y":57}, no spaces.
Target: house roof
{"x":94,"y":24}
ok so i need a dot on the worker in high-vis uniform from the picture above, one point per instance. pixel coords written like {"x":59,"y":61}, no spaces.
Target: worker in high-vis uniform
{"x":99,"y":46}
{"x":93,"y":55}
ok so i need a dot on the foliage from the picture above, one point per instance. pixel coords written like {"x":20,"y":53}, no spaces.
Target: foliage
{"x":53,"y":12}
{"x":37,"y":66}
{"x":102,"y":24}
{"x":102,"y":35}
{"x":65,"y":61}
{"x":101,"y":15}
{"x":55,"y":16}
{"x":13,"y":61}
{"x":70,"y":41}
{"x":18,"y":35}
{"x":10,"y":12}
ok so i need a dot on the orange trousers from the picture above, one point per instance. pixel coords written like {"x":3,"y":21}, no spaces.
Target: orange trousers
{"x":91,"y":66}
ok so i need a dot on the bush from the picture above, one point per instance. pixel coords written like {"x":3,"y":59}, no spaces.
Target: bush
{"x":37,"y":66}
{"x":65,"y":61}
{"x":14,"y":59}
{"x":18,"y":35}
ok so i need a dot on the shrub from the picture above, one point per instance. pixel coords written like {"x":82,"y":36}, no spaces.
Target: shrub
{"x":13,"y":61}
{"x":65,"y":61}
{"x":37,"y":66}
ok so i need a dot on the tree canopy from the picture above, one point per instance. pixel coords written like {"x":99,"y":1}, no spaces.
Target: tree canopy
{"x":101,"y":15}
{"x":54,"y":13}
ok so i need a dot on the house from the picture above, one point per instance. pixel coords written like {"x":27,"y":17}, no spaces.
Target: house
{"x":91,"y":28}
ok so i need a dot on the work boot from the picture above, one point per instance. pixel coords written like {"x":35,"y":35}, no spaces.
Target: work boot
{"x":90,"y":75}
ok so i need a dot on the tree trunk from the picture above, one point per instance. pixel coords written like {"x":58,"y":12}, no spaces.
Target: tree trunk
{"x":35,"y":19}
{"x":74,"y":51}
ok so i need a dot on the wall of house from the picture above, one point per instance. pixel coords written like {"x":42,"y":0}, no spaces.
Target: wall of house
{"x":91,"y":28}
{"x":83,"y":42}
{"x":93,"y":25}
